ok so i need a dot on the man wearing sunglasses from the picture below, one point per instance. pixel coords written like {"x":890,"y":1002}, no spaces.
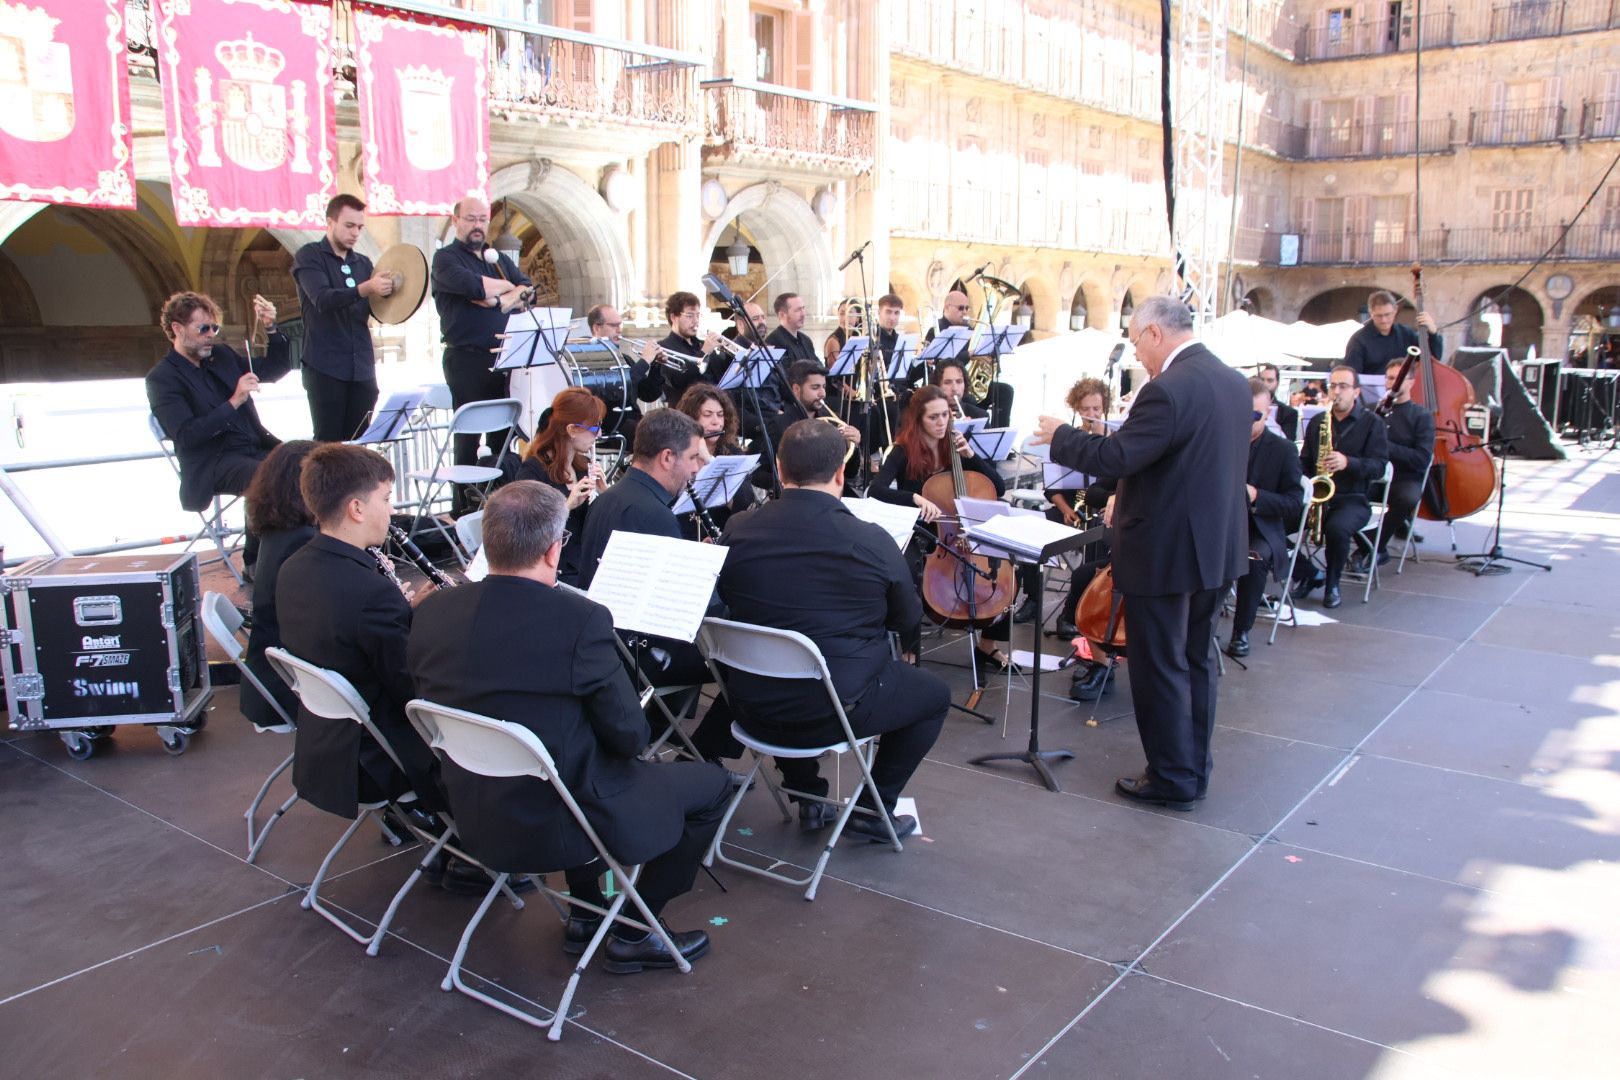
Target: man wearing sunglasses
{"x":201,"y":394}
{"x":1360,"y":449}
{"x":335,"y":283}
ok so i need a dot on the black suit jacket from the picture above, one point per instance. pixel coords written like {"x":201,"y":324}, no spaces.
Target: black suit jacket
{"x":339,"y":612}
{"x":192,"y":406}
{"x":550,"y":665}
{"x":1287,"y":420}
{"x":804,"y":562}
{"x":1361,"y":437}
{"x":274,"y":549}
{"x":635,"y":504}
{"x":1278,"y":499}
{"x":1180,"y":511}
{"x":1410,"y":434}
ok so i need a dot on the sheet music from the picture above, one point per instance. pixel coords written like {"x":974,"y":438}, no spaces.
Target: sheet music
{"x":971,"y":425}
{"x":1062,"y":478}
{"x":904,"y":355}
{"x":947,"y":343}
{"x":848,"y":355}
{"x":894,"y":520}
{"x":718,"y":482}
{"x":655,"y":584}
{"x":975,"y":511}
{"x":478,"y":569}
{"x":533,"y":337}
{"x":1024,"y":534}
{"x":388,"y":422}
{"x":994,"y":444}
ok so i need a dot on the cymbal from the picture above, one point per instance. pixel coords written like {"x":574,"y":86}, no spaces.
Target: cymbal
{"x":410,"y":269}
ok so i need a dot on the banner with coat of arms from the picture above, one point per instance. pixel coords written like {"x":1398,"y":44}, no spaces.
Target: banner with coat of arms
{"x":64,"y":103}
{"x":424,"y":111}
{"x":247,"y":101}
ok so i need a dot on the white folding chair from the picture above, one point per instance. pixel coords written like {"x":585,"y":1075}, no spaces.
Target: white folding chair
{"x":496,"y":748}
{"x":224,"y":624}
{"x":474,"y":418}
{"x":326,"y":693}
{"x":470,"y":531}
{"x":213,"y":519}
{"x":1366,"y":540}
{"x":784,"y":654}
{"x":1409,"y":544}
{"x":1287,"y":600}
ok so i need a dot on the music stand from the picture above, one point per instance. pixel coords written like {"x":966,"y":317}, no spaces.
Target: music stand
{"x":759,"y":356}
{"x":1488,"y":562}
{"x":1034,"y":755}
{"x":389,"y":423}
{"x":529,"y":332}
{"x":947,"y":344}
{"x":844,"y":363}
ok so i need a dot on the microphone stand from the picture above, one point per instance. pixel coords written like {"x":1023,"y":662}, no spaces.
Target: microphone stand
{"x":752,"y":358}
{"x":1483,"y":563}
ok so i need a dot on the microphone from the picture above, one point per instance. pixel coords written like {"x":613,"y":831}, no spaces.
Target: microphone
{"x":979,"y":273}
{"x":857,"y":254}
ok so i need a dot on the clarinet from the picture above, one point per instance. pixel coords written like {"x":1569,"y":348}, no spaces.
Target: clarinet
{"x":707,"y":529}
{"x":386,"y":566}
{"x":439,"y":578}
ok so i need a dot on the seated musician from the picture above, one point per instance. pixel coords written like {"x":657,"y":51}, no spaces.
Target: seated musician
{"x":684,"y":311}
{"x":476,"y":648}
{"x":998,"y":402}
{"x":1360,"y":448}
{"x":923,"y":449}
{"x":1287,"y":415}
{"x":668,"y":453}
{"x":807,"y":400}
{"x":716,"y":416}
{"x":201,"y":393}
{"x":559,"y":456}
{"x":1088,"y":399}
{"x":277,"y":514}
{"x":1275,"y":502}
{"x":339,"y":611}
{"x":1411,"y":447}
{"x":863,"y":590}
{"x":605,"y":323}
{"x":951,"y":377}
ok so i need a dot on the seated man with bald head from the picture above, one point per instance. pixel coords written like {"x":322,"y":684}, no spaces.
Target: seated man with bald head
{"x":998,"y":402}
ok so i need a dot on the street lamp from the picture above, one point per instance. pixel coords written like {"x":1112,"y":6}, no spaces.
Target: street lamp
{"x":506,"y":243}
{"x":737,"y":254}
{"x":1024,"y":315}
{"x":1077,"y":315}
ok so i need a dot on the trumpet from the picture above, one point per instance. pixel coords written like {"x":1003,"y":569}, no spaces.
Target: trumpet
{"x":658,"y":354}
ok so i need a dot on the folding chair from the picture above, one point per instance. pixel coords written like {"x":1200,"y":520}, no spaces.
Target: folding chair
{"x":1366,"y":540}
{"x":213,"y":519}
{"x":474,"y":418}
{"x":1409,"y":545}
{"x":224,"y":623}
{"x":470,"y":531}
{"x":784,"y":654}
{"x":496,"y":748}
{"x":1276,"y":614}
{"x":326,"y":693}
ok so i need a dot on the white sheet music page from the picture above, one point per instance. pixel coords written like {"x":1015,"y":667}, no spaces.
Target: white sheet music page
{"x":718,"y":482}
{"x":894,"y":520}
{"x":657,"y":585}
{"x":1022,"y":534}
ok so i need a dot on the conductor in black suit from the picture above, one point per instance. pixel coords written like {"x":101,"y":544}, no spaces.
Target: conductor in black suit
{"x":1275,"y":502}
{"x":1180,"y":537}
{"x":667,"y":454}
{"x":805,"y":563}
{"x":516,"y":648}
{"x":338,"y":611}
{"x":201,"y":393}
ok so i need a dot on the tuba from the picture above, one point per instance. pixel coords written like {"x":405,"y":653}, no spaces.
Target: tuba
{"x":1322,"y":485}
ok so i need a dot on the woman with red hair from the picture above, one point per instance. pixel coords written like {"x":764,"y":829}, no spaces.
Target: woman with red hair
{"x":560,"y":456}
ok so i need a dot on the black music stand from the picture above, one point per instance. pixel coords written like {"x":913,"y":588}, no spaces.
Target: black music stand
{"x":1035,"y":756}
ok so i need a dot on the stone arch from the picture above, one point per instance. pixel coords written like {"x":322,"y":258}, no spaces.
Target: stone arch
{"x":1098,"y":304}
{"x":1259,"y":301}
{"x":1338,"y":304}
{"x":1523,"y":328}
{"x":1050,"y":317}
{"x":790,"y":239}
{"x":582,"y":234}
{"x":18,"y":307}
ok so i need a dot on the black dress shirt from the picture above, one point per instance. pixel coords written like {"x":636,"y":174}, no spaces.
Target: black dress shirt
{"x":1370,"y":352}
{"x":1361,"y":438}
{"x":664,"y":381}
{"x":892,"y":485}
{"x":1411,"y":439}
{"x":638,"y":504}
{"x":458,"y":289}
{"x":337,"y":336}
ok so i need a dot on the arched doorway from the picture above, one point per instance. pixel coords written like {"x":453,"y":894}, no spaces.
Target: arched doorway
{"x":565,"y":222}
{"x":738,"y":242}
{"x":1510,"y":318}
{"x":1595,"y":327}
{"x":1259,"y":302}
{"x":1127,"y":308}
{"x":1345,"y":302}
{"x":791,"y":242}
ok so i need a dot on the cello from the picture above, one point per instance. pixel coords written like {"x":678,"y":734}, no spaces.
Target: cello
{"x":1462,"y":479}
{"x":960,"y":589}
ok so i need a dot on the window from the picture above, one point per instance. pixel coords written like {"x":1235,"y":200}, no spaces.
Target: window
{"x":1611,"y":209}
{"x":1338,"y":25}
{"x":1326,"y":242}
{"x":1389,"y":228}
{"x":766,"y":46}
{"x":1512,"y":209}
{"x":1336,"y":135}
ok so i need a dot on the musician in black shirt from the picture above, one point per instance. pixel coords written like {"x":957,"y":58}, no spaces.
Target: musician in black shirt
{"x":559,"y":457}
{"x":683,"y":311}
{"x":1287,"y":415}
{"x":1275,"y":502}
{"x":1383,"y":339}
{"x":1411,"y":447}
{"x":1360,"y":450}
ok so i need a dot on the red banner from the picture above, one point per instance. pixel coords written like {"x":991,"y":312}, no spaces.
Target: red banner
{"x":64,"y":103}
{"x":247,"y":101}
{"x":424,"y":111}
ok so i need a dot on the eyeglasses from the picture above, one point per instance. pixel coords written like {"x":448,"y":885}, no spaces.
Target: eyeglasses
{"x":1341,"y":386}
{"x":209,"y":328}
{"x":472,"y":220}
{"x":565,"y":537}
{"x":1257,"y":414}
{"x":594,"y":429}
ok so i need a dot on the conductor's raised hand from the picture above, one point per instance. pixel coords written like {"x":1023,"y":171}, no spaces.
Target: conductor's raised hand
{"x":1045,"y":430}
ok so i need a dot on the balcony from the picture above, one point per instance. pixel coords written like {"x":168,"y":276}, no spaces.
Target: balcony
{"x":1373,"y":140}
{"x":1516,"y":127}
{"x":1372,"y":37}
{"x":537,"y":73}
{"x":1585,"y":242}
{"x":1600,"y":119}
{"x":1271,"y":135}
{"x":781,"y":126}
{"x":926,"y":209}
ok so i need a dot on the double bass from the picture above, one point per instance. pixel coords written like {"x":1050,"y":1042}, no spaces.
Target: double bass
{"x":960,"y":589}
{"x":1462,"y":479}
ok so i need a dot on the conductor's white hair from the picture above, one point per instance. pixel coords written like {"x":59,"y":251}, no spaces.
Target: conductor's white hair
{"x":1165,"y":312}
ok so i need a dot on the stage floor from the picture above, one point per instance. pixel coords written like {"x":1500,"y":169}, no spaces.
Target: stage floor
{"x":1406,"y":866}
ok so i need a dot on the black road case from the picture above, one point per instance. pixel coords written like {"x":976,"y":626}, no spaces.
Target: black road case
{"x":96,"y":642}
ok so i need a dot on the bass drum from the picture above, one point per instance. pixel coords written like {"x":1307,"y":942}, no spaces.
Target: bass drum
{"x":603,"y":372}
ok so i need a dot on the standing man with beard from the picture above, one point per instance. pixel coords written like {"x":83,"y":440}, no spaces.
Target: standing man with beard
{"x":474,"y":287}
{"x":335,"y":283}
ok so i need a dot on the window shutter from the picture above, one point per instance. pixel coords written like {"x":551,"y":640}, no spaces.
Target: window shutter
{"x":803,"y":70}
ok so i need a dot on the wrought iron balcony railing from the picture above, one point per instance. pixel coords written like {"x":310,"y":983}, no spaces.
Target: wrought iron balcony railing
{"x":1483,"y":244}
{"x":1516,"y":127}
{"x":788,"y":126}
{"x":1371,"y":37}
{"x":1370,"y":139}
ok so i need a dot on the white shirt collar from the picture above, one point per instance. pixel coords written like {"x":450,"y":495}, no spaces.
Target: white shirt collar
{"x":1177,"y":351}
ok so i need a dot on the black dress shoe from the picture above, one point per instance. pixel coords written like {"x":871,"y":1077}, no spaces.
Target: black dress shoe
{"x":579,"y":931}
{"x":1332,"y":598}
{"x":1065,"y":628}
{"x":814,"y":816}
{"x":987,"y":663}
{"x":624,"y":957}
{"x":1091,"y":683}
{"x":1238,"y":646}
{"x":1025,"y":612}
{"x":871,"y":828}
{"x":1303,"y":588}
{"x":1137,"y":789}
{"x":463,"y":878}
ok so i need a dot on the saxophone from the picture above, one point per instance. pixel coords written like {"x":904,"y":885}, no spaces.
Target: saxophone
{"x":1322,"y":485}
